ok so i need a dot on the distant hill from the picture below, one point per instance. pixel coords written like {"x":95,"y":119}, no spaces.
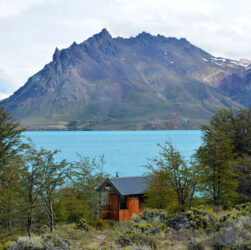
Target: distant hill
{"x":143,"y":82}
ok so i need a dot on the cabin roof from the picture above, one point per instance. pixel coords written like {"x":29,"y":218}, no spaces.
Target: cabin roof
{"x":127,"y":185}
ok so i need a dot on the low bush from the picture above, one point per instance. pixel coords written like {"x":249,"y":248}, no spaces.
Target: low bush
{"x":138,"y":239}
{"x":7,"y":245}
{"x":34,"y":243}
{"x":235,"y":234}
{"x":152,"y":216}
{"x":101,"y":224}
{"x":195,"y":244}
{"x":44,"y":229}
{"x":199,"y":219}
{"x":196,"y":229}
{"x":82,"y":224}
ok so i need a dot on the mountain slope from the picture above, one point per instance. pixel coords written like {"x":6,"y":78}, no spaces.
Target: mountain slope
{"x":144,"y":82}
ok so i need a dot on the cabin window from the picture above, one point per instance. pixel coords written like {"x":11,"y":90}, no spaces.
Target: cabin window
{"x":104,"y":199}
{"x":141,"y":201}
{"x":123,"y":203}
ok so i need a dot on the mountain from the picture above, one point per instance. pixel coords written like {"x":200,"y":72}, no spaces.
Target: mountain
{"x":143,"y":82}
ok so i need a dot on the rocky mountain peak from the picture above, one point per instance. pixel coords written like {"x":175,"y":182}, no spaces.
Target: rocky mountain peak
{"x":145,"y":36}
{"x":56,"y":54}
{"x":101,"y":36}
{"x":104,"y":33}
{"x":74,"y":44}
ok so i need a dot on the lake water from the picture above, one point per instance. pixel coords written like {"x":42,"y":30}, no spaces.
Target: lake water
{"x":125,"y":152}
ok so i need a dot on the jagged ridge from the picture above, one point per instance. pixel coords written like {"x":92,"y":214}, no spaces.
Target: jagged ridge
{"x":143,"y":82}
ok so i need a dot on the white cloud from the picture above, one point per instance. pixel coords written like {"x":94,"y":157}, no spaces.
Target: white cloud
{"x":3,"y":96}
{"x":31,"y":29}
{"x":10,"y":8}
{"x":7,"y":84}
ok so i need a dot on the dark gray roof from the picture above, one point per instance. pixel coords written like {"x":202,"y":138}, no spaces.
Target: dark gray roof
{"x":127,"y":185}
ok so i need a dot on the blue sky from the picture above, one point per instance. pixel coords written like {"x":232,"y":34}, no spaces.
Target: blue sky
{"x":31,"y":29}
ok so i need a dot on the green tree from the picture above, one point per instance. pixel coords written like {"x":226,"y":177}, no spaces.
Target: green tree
{"x":52,"y":175}
{"x":30,"y":173}
{"x":159,"y":194}
{"x":88,"y":174}
{"x":11,"y":148}
{"x":10,"y":198}
{"x":220,"y":147}
{"x":176,"y":178}
{"x":69,"y":207}
{"x":10,"y":137}
{"x":242,"y":167}
{"x":236,"y":126}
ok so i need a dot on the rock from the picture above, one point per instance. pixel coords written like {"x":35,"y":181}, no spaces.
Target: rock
{"x":180,"y":222}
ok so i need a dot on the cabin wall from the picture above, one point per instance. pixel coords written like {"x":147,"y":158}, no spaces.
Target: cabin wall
{"x":112,"y":210}
{"x":132,"y":208}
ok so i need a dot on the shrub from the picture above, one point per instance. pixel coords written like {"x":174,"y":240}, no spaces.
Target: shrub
{"x":82,"y":224}
{"x":44,"y":229}
{"x":242,"y":210}
{"x":235,"y":235}
{"x":100,"y":224}
{"x":7,"y":245}
{"x":193,"y":219}
{"x":194,"y":244}
{"x":34,"y":243}
{"x":138,"y":239}
{"x":244,"y":206}
{"x":152,"y":215}
{"x":56,"y":241}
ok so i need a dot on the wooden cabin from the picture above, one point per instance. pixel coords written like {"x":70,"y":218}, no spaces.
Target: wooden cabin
{"x":122,"y":197}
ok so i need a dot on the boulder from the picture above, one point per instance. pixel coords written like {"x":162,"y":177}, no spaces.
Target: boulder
{"x":179,"y":222}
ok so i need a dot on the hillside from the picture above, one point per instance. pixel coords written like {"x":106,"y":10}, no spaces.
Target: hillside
{"x":143,"y":82}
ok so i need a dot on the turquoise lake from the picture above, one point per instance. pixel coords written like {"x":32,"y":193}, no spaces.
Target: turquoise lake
{"x":125,"y":152}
